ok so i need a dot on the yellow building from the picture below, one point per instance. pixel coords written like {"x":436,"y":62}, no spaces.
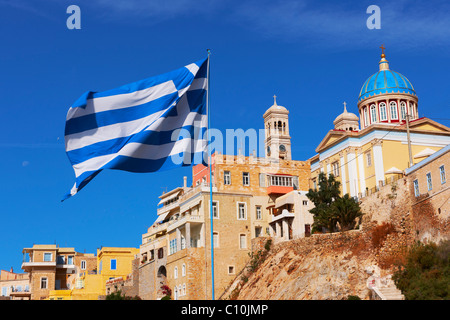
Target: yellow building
{"x":112,"y":263}
{"x":379,"y":152}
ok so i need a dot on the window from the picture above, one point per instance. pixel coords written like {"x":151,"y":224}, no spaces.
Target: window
{"x":369,"y":159}
{"x":394,"y":114}
{"x":305,"y":202}
{"x":245,"y":178}
{"x":160,"y":253}
{"x":429,"y":183}
{"x":242,"y":241}
{"x":373,"y":113}
{"x":416,"y":188}
{"x":216,"y":239}
{"x":411,"y":110}
{"x":227,"y":177}
{"x":184,"y":289}
{"x":366,"y":117}
{"x":113,"y":264}
{"x":83,"y":265}
{"x":315,"y":184}
{"x":47,"y":257}
{"x":258,"y":232}
{"x":258,"y":213}
{"x":183,"y":242}
{"x":383,"y":115}
{"x":175,"y":273}
{"x":70,"y":260}
{"x":241,"y":211}
{"x":442,"y":174}
{"x":295,"y":182}
{"x":215,"y":210}
{"x":173,"y":246}
{"x":60,"y":259}
{"x":230,"y":269}
{"x":283,"y":181}
{"x":403,"y":110}
{"x":44,"y":282}
{"x":4,"y":291}
{"x":183,"y":270}
{"x":335,"y":168}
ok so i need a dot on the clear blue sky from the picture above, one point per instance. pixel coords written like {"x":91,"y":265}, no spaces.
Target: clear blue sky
{"x":313,"y":55}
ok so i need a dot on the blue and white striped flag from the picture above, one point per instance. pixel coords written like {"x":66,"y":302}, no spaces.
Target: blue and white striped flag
{"x":146,"y":126}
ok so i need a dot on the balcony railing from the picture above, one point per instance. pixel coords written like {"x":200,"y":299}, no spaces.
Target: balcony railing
{"x":173,"y":224}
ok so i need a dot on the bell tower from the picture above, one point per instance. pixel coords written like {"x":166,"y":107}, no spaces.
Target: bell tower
{"x":276,"y":125}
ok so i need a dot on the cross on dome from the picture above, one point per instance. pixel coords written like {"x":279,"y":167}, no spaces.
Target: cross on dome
{"x":382,"y":50}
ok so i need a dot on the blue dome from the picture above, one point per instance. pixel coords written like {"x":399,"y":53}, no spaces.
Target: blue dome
{"x":385,"y":81}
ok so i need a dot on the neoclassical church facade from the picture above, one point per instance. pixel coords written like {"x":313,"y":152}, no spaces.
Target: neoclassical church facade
{"x":369,"y":150}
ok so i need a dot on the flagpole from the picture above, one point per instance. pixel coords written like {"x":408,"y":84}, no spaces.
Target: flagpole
{"x":210,"y":180}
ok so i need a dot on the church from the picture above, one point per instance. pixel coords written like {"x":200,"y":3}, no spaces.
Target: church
{"x":373,"y":148}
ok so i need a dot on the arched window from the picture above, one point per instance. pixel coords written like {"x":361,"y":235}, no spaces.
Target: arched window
{"x":403,"y":110}
{"x":366,"y":117}
{"x":411,"y":110}
{"x":175,"y":273}
{"x":183,"y":270}
{"x":373,"y":113}
{"x":383,"y":115}
{"x":394,"y":114}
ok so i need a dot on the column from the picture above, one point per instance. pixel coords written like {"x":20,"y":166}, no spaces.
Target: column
{"x":285,"y":229}
{"x":178,"y":233}
{"x":362,"y":176}
{"x":352,"y":172}
{"x":188,"y":234}
{"x":278,"y":229}
{"x":343,"y":174}
{"x":327,"y":161}
{"x":378,"y":160}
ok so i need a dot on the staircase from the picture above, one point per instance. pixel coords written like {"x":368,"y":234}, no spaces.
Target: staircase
{"x":390,"y":293}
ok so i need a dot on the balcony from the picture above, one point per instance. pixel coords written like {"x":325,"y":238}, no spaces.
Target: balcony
{"x":279,"y":189}
{"x":284,"y":214}
{"x":173,"y":224}
{"x":26,"y":266}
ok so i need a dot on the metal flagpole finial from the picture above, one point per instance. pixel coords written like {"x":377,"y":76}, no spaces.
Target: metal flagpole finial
{"x":208,"y":50}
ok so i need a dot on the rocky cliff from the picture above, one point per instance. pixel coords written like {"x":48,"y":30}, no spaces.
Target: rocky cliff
{"x":334,"y":266}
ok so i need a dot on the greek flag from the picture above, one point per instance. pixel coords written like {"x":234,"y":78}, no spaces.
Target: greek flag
{"x":150,"y":125}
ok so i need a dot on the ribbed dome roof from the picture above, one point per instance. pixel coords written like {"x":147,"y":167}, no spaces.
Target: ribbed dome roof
{"x":346,"y":116}
{"x":275,"y":108}
{"x":385,"y":81}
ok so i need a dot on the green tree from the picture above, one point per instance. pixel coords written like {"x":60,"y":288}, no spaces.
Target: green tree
{"x":347,"y":211}
{"x":426,"y":273}
{"x":323,"y":198}
{"x":330,"y":208}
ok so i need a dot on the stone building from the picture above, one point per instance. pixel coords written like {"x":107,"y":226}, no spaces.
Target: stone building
{"x":51,"y":268}
{"x":176,"y":249}
{"x":430,"y":194}
{"x":14,"y":286}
